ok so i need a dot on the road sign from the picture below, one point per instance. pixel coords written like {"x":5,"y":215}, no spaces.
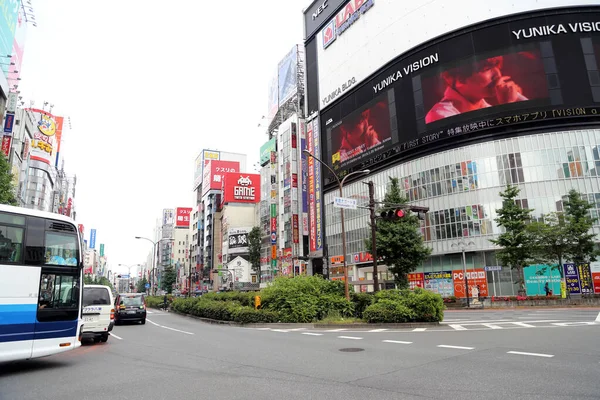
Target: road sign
{"x":147,"y":286}
{"x":493,"y":268}
{"x":344,"y":202}
{"x":126,"y":276}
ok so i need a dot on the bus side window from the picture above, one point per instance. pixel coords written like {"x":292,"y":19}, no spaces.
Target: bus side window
{"x":11,"y":242}
{"x":56,"y":291}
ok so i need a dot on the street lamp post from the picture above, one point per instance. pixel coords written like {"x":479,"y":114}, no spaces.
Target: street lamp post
{"x":340,"y":186}
{"x":463,"y":246}
{"x":129,"y":272}
{"x":152,"y":275}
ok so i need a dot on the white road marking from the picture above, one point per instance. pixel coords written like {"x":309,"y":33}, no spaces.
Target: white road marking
{"x":350,"y":337}
{"x":396,"y":341}
{"x":297,"y":329}
{"x":261,"y":329}
{"x":466,"y":321}
{"x":150,"y":312}
{"x":312,"y":334}
{"x":523,"y":324}
{"x":445,"y":346}
{"x":335,"y":330}
{"x":115,"y":336}
{"x":530,"y":354}
{"x":166,"y":327}
{"x":419,"y":329}
{"x":458,"y":327}
{"x":492,"y":326}
{"x":378,"y":330}
{"x":280,"y":330}
{"x":573,"y":323}
{"x":598,"y":317}
{"x":177,"y":330}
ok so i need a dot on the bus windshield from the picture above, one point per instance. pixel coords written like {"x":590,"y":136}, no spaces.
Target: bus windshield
{"x":61,"y":249}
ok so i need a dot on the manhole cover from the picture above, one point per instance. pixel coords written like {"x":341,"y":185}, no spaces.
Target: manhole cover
{"x":352,"y":350}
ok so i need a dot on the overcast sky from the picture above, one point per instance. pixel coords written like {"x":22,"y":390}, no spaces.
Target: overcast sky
{"x":147,"y":85}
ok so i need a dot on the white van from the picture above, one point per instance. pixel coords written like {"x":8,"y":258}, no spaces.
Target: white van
{"x":98,"y":312}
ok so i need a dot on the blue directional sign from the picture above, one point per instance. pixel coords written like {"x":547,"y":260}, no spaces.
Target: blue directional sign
{"x":147,"y":286}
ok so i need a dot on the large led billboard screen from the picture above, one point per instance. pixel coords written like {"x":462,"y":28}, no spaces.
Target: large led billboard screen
{"x":500,"y":79}
{"x":359,"y":37}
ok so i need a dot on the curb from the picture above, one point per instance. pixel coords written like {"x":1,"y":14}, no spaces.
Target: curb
{"x":310,"y":325}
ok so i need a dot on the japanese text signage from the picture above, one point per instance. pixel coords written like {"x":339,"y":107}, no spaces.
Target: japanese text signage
{"x":214,"y":171}
{"x":238,"y":240}
{"x":572,"y":278}
{"x":92,"y":239}
{"x":182,"y":218}
{"x":241,"y":188}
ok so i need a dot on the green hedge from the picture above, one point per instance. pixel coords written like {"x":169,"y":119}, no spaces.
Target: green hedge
{"x":305,"y":299}
{"x":223,"y":310}
{"x":154,"y":301}
{"x":405,"y":306}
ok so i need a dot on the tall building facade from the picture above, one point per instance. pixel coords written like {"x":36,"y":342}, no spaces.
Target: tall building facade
{"x":434,"y":107}
{"x":210,"y":166}
{"x":283,"y":209}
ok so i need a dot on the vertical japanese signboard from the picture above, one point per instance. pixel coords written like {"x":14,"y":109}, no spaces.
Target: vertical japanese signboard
{"x":311,"y":190}
{"x":317,"y":167}
{"x":415,"y":280}
{"x":572,"y":278}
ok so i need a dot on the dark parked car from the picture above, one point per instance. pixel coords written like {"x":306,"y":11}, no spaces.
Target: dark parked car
{"x":130,"y":307}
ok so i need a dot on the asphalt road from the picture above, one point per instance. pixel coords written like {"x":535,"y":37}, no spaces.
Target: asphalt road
{"x":174,"y":357}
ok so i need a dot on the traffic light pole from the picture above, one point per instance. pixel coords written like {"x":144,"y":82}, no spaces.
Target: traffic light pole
{"x":373,"y":235}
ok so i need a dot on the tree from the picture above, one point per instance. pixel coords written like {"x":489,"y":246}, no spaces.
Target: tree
{"x":141,"y":285}
{"x":254,"y":241}
{"x":549,"y":241}
{"x":399,"y":243}
{"x":168,"y":279}
{"x":515,"y":241}
{"x":7,"y":189}
{"x":579,"y":222}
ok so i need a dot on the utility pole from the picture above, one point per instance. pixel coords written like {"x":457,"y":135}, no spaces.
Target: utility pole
{"x":373,"y":235}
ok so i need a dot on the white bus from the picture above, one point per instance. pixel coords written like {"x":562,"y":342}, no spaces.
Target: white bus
{"x":41,"y":276}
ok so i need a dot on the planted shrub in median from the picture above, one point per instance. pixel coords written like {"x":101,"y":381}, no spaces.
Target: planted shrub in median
{"x":305,"y":299}
{"x":405,"y":306}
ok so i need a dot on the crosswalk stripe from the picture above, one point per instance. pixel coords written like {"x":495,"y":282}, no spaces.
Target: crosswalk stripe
{"x":458,"y":327}
{"x":523,"y":324}
{"x":491,"y":326}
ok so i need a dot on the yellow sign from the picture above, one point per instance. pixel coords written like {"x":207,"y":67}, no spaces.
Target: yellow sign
{"x":211,"y":155}
{"x":256,"y":301}
{"x":47,"y":126}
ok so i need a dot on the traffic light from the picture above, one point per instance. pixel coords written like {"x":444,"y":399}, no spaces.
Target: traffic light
{"x":392,"y":215}
{"x":118,"y":276}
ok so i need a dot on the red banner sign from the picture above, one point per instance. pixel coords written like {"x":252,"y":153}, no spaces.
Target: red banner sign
{"x":475,"y":278}
{"x":295,"y":227}
{"x":6,"y":142}
{"x":241,"y":188}
{"x":182,"y":217}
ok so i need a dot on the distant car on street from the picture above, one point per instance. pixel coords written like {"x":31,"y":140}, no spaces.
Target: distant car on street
{"x":130,"y":307}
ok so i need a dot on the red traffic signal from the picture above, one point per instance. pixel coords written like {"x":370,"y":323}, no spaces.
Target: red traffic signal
{"x":392,"y":215}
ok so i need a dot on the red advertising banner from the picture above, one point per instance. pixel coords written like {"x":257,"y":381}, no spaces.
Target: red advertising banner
{"x":596,"y":280}
{"x":415,"y":280}
{"x":6,"y":142}
{"x":295,"y":227}
{"x":214,"y":171}
{"x":241,"y":188}
{"x":273,"y":224}
{"x":182,"y":217}
{"x":294,"y":180}
{"x":475,"y":277}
